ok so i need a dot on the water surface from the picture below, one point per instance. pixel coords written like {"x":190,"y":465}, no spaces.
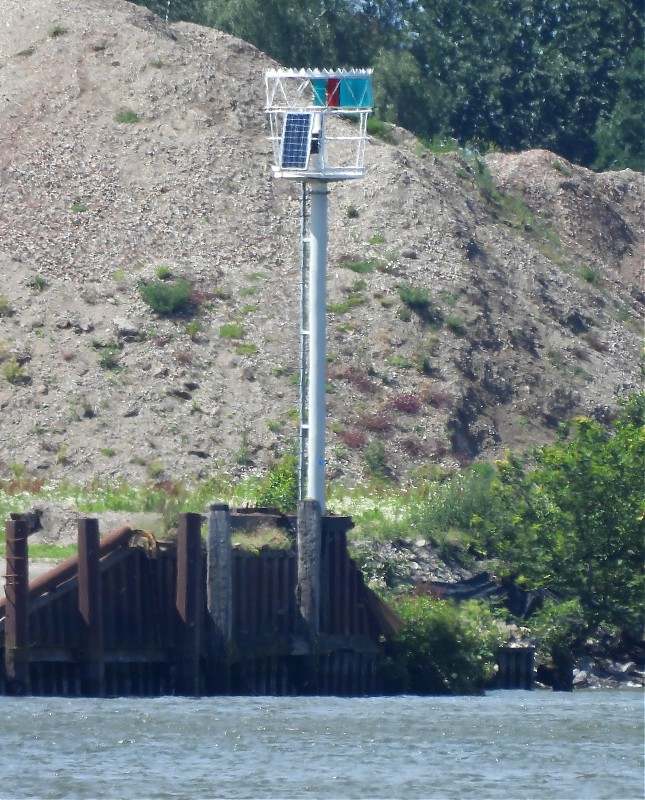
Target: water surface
{"x":504,"y":745}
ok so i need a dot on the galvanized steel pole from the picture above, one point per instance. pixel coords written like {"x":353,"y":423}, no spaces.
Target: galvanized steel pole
{"x":317,"y":343}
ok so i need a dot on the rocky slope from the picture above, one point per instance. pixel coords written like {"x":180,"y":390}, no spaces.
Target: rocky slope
{"x":129,"y":145}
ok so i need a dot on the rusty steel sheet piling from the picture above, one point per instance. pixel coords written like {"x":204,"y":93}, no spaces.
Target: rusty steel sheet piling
{"x":309,"y":533}
{"x":67,"y":569}
{"x":219,"y":592}
{"x":189,"y":603}
{"x":89,"y":606}
{"x":16,"y":637}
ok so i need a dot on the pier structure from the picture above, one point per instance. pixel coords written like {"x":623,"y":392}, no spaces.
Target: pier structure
{"x":130,"y":615}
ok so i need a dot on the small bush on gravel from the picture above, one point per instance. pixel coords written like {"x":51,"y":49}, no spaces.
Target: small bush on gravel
{"x":280,"y":487}
{"x":127,"y":117}
{"x":167,"y":297}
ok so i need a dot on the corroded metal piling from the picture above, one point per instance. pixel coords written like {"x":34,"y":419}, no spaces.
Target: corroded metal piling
{"x":16,"y":638}
{"x":189,"y":603}
{"x":90,"y":610}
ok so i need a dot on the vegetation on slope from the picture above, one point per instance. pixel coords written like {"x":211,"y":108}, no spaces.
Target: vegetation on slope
{"x":567,"y":517}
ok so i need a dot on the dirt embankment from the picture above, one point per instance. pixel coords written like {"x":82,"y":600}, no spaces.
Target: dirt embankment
{"x":129,"y":145}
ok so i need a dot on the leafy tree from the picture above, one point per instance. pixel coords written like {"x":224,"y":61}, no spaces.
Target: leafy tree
{"x":561,"y":74}
{"x":574,"y":518}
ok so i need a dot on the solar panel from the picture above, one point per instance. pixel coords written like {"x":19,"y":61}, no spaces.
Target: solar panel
{"x":296,"y":141}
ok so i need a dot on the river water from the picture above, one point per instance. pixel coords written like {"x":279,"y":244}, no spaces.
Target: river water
{"x":505,"y":745}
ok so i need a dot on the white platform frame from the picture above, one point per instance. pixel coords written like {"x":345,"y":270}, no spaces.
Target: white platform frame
{"x":342,"y":130}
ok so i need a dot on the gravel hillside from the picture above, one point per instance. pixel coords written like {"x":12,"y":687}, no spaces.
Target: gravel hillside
{"x":128,"y":146}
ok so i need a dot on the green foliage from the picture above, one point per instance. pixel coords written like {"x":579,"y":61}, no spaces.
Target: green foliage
{"x":571,"y":518}
{"x":351,"y":212}
{"x":127,"y":117}
{"x":167,"y":297}
{"x":6,"y":309}
{"x":15,"y":373}
{"x":456,"y":325}
{"x":419,"y":301}
{"x":79,"y":208}
{"x":246,"y":349}
{"x":37,"y":283}
{"x":360,"y":267}
{"x":590,"y":275}
{"x":232,"y":330}
{"x":375,"y":459}
{"x":559,"y":625}
{"x":413,"y":297}
{"x":280,"y":487}
{"x":443,"y":649}
{"x":108,"y":356}
{"x":57,"y":31}
{"x":448,"y":71}
{"x":163,"y":273}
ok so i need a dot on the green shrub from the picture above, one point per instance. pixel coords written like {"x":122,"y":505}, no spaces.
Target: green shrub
{"x":15,"y":373}
{"x":375,"y":459}
{"x":79,"y":208}
{"x":562,"y":169}
{"x":127,"y":117}
{"x":6,"y":309}
{"x":167,"y":297}
{"x":378,"y":128}
{"x":37,"y":283}
{"x":361,"y":267}
{"x":280,"y":487}
{"x":443,"y":648}
{"x":57,"y":31}
{"x":163,"y":273}
{"x":418,"y":300}
{"x":456,"y":325}
{"x":590,"y":275}
{"x":231,"y":330}
{"x":108,"y":358}
{"x":246,"y":349}
{"x":352,"y":212}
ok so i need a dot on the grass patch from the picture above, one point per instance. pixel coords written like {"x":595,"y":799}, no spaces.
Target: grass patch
{"x":127,"y":117}
{"x":360,"y":267}
{"x":231,"y":330}
{"x":6,"y":309}
{"x":562,"y":169}
{"x":246,"y":349}
{"x":590,"y":275}
{"x":56,"y":31}
{"x":456,"y":325}
{"x":379,"y":129}
{"x":52,"y":551}
{"x":79,"y":208}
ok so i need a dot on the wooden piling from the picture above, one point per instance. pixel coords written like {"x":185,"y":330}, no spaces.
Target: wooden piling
{"x":189,"y":600}
{"x":89,"y":606}
{"x":309,"y":533}
{"x":219,"y":592}
{"x":16,"y":638}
